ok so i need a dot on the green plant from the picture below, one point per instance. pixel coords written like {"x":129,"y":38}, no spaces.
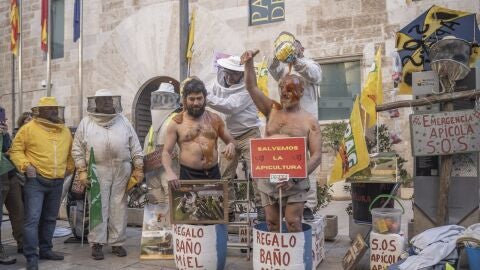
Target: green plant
{"x":385,"y":145}
{"x":324,"y":196}
{"x":332,"y":134}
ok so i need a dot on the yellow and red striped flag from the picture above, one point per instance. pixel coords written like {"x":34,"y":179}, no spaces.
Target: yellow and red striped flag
{"x":44,"y":24}
{"x":14,"y":25}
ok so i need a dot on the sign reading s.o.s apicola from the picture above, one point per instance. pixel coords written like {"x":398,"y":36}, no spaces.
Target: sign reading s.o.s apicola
{"x":278,"y":156}
{"x":385,"y":250}
{"x":445,"y":133}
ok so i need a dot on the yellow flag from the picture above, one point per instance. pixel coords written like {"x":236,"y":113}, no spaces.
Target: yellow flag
{"x":372,"y":92}
{"x":261,"y":71}
{"x":191,"y":36}
{"x":352,"y":154}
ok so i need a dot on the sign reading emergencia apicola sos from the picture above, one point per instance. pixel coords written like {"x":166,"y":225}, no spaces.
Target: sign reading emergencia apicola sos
{"x":445,"y":133}
{"x":278,"y":156}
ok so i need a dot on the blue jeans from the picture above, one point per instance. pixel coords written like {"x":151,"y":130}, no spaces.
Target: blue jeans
{"x":42,"y":202}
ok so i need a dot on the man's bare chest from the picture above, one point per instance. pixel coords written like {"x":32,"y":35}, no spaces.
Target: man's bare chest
{"x":292,"y":126}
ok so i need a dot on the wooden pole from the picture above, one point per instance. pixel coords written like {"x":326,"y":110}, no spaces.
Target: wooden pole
{"x":428,"y":100}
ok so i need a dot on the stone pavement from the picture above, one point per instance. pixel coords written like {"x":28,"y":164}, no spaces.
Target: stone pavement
{"x":77,"y":257}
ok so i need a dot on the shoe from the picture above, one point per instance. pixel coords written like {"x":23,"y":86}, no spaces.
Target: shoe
{"x":119,"y":251}
{"x":260,"y":214}
{"x":4,"y":258}
{"x":32,"y":265}
{"x":97,"y":253}
{"x":308,"y":214}
{"x":52,"y":256}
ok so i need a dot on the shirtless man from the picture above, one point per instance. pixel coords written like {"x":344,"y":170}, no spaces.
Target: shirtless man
{"x":196,"y":131}
{"x":286,"y":119}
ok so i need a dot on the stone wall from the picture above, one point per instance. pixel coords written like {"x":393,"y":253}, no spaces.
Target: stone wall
{"x":129,"y":42}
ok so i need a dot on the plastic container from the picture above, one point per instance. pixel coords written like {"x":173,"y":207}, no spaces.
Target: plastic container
{"x":473,"y":254}
{"x":386,"y":220}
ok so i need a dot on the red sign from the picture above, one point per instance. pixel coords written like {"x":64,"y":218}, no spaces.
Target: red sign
{"x":278,"y":156}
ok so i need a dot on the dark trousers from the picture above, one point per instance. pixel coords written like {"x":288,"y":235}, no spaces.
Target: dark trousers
{"x":12,"y":198}
{"x":42,"y":202}
{"x":187,"y":173}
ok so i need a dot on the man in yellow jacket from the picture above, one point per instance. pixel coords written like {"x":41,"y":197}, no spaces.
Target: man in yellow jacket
{"x":41,"y":149}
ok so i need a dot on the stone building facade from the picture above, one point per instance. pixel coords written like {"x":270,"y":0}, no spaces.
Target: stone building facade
{"x":132,"y":45}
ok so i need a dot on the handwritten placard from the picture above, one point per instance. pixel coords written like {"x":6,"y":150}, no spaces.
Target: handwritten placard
{"x":278,"y":156}
{"x":445,"y":133}
{"x":385,"y":250}
{"x":354,"y":253}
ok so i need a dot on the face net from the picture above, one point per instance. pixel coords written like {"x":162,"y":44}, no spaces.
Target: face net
{"x":105,"y":105}
{"x":54,"y":114}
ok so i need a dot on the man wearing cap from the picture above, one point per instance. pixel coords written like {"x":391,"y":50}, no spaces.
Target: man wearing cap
{"x":288,"y":53}
{"x":118,"y":156}
{"x":196,"y":132}
{"x":229,"y":97}
{"x":41,"y":150}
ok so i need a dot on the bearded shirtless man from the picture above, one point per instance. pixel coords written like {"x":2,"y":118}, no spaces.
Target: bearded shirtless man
{"x":286,"y":119}
{"x":196,"y":131}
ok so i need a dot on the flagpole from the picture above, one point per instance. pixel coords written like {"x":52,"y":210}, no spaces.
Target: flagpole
{"x":20,"y":59}
{"x":49,"y":48}
{"x":13,"y":91}
{"x":80,"y":63}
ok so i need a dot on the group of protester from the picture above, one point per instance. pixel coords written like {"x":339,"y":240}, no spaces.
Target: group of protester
{"x":44,"y":152}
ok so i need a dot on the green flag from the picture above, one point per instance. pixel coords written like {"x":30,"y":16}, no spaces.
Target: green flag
{"x":5,"y":164}
{"x":94,"y":192}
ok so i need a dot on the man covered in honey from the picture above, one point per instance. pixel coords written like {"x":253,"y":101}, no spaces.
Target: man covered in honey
{"x":196,"y":131}
{"x":285,"y":119}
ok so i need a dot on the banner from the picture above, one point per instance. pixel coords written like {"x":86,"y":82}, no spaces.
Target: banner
{"x":352,"y":154}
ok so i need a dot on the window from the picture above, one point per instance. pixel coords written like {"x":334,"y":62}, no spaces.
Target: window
{"x":341,"y":82}
{"x":58,"y":25}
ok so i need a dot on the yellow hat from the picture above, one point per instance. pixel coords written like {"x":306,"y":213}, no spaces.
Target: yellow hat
{"x":48,"y":102}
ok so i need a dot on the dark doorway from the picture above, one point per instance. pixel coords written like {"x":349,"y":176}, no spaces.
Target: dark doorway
{"x":142,"y":117}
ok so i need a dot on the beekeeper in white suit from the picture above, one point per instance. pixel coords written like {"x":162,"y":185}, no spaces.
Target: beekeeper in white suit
{"x":118,"y":156}
{"x":164,"y":105}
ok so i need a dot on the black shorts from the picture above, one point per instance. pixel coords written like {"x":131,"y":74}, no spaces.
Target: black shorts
{"x":187,"y":173}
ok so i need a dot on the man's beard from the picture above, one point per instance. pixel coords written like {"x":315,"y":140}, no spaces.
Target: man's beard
{"x":195,"y":111}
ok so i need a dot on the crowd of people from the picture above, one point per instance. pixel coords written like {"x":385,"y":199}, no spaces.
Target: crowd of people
{"x":44,"y":152}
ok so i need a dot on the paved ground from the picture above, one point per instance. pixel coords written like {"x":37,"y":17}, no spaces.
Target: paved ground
{"x":77,"y":257}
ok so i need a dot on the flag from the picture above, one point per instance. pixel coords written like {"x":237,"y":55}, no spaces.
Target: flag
{"x":76,"y":20}
{"x":94,"y":192}
{"x":14,"y":26}
{"x":44,"y":23}
{"x":191,"y":36}
{"x":261,"y":71}
{"x":372,"y":92}
{"x":352,"y":154}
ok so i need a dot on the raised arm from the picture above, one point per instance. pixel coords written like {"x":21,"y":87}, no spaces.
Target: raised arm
{"x":263,"y":103}
{"x":314,"y":145}
{"x":168,"y":147}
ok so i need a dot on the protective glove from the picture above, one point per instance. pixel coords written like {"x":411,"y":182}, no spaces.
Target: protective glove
{"x":83,"y":177}
{"x":136,"y":177}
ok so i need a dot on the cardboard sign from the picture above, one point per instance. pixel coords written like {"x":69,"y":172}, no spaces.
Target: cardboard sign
{"x":445,"y":133}
{"x":156,"y":241}
{"x":385,"y":250}
{"x":354,"y":253}
{"x":200,"y":247}
{"x":278,"y":156}
{"x":318,"y":239}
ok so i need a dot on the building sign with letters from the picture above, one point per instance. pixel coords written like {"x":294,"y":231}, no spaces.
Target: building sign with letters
{"x":266,"y":11}
{"x":445,"y":133}
{"x":278,"y":156}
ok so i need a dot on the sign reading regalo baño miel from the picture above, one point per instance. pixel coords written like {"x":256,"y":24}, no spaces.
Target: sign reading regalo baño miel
{"x":278,"y":156}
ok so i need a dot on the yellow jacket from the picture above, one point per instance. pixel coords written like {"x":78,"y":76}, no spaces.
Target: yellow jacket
{"x":46,"y":146}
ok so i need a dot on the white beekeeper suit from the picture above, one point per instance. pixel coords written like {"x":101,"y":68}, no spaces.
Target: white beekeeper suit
{"x":117,"y":149}
{"x":164,"y":104}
